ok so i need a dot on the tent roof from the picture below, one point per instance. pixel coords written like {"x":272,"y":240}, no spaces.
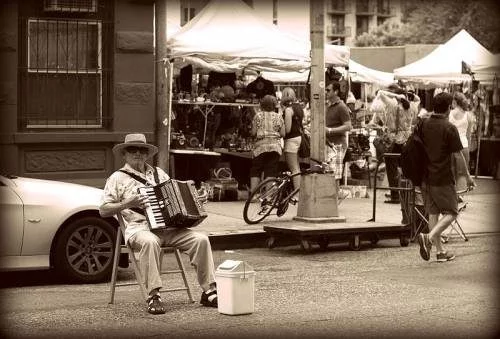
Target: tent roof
{"x":357,"y":72}
{"x":230,"y":32}
{"x":444,"y":64}
{"x":489,"y":65}
{"x":360,"y":73}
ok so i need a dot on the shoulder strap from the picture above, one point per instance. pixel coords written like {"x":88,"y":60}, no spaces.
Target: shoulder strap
{"x":136,"y":177}
{"x":155,"y":174}
{"x":141,"y":180}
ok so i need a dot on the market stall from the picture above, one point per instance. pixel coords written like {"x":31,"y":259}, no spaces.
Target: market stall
{"x":460,"y":62}
{"x":224,"y":40}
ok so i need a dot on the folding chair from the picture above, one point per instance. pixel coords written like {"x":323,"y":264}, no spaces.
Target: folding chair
{"x":421,"y":222}
{"x":126,"y":248}
{"x":455,"y":226}
{"x":419,"y":217}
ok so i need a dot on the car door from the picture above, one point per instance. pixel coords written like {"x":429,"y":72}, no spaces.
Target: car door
{"x":11,"y":220}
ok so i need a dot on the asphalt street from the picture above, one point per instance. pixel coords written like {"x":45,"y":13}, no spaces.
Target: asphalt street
{"x":382,"y":291}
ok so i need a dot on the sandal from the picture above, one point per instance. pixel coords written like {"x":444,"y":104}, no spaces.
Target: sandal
{"x":155,"y":305}
{"x":209,"y":299}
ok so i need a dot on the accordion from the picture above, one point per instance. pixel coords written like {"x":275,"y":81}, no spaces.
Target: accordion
{"x":173,"y":203}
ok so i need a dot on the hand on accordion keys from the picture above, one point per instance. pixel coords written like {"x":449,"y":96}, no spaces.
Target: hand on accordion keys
{"x":202,"y":195}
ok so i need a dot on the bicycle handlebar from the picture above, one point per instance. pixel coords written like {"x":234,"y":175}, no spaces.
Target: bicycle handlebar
{"x":321,"y":167}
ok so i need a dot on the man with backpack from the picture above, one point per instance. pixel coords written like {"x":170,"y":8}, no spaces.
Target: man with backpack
{"x":441,"y":140}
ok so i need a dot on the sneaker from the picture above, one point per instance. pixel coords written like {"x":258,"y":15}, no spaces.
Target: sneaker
{"x":425,"y":246}
{"x":445,"y":256}
{"x":209,"y":299}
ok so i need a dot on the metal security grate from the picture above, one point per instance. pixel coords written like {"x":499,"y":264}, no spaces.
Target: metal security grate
{"x":63,"y":82}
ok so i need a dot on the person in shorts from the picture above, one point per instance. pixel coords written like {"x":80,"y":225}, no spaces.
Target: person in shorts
{"x":338,"y":124}
{"x":293,"y":114}
{"x":268,"y":128}
{"x":442,"y":142}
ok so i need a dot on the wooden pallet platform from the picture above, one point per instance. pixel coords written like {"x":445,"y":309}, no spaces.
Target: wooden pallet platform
{"x":324,"y":233}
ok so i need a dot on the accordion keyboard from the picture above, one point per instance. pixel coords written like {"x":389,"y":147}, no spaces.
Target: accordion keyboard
{"x":154,"y":212}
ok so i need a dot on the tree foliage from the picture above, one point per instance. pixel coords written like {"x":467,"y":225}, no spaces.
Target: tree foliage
{"x":435,"y":22}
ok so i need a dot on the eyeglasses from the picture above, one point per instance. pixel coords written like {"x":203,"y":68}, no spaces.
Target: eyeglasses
{"x":135,"y":149}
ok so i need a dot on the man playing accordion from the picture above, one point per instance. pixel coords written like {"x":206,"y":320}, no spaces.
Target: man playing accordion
{"x":121,"y":196}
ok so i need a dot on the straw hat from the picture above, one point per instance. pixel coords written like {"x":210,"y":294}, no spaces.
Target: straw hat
{"x":138,"y":140}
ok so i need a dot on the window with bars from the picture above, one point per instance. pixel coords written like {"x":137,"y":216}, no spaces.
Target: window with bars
{"x":64,"y":83}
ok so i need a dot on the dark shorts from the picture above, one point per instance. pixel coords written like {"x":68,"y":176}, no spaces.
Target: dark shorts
{"x":440,"y":199}
{"x":266,"y":162}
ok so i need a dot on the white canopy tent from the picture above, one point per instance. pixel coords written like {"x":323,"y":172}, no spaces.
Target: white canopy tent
{"x":363,"y":74}
{"x":489,"y":66}
{"x":227,"y":36}
{"x":444,"y":65}
{"x":357,"y":73}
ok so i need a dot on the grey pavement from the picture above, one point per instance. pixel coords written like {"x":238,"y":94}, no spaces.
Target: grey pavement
{"x":379,"y":291}
{"x":386,"y":291}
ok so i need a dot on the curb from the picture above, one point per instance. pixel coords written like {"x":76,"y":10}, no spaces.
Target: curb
{"x":257,"y":239}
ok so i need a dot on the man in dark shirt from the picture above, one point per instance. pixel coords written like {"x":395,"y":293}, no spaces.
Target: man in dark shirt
{"x":338,"y":123}
{"x":441,"y":141}
{"x":337,"y":117}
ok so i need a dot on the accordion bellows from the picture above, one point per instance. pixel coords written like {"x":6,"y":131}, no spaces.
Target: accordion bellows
{"x":173,"y":203}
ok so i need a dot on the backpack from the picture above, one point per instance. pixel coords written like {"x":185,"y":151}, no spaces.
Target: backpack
{"x":413,"y":159}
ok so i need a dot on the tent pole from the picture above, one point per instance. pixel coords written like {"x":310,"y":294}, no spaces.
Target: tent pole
{"x":479,"y":132}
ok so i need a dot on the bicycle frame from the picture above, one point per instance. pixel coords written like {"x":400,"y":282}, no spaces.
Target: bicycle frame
{"x":275,"y":193}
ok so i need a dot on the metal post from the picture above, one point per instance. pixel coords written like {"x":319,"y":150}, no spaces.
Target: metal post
{"x":162,"y":88}
{"x":318,"y":192}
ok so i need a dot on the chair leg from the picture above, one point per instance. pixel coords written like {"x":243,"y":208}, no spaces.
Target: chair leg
{"x":183,"y":273}
{"x":418,"y":216}
{"x":456,"y":226}
{"x":114,"y":272}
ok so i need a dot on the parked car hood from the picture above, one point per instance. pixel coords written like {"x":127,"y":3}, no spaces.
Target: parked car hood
{"x":46,"y":192}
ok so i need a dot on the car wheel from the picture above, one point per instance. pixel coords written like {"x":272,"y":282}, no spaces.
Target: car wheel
{"x":84,"y":250}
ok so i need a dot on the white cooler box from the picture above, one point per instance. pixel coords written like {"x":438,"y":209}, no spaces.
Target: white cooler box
{"x":235,"y":287}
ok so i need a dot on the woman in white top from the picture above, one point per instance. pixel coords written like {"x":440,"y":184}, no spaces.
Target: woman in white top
{"x":460,"y":117}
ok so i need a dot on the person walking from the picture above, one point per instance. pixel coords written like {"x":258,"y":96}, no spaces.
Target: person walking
{"x":293,"y":114}
{"x":268,"y":128}
{"x":442,"y":141}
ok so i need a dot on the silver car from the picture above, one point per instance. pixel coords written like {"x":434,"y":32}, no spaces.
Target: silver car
{"x":50,"y":224}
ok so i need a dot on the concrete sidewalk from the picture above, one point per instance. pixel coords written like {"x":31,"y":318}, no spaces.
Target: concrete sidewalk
{"x":227,"y":229}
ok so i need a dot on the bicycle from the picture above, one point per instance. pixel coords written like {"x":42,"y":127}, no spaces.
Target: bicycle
{"x":276,"y":194}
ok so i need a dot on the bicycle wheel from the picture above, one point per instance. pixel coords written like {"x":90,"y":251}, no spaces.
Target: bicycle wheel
{"x":261,"y":201}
